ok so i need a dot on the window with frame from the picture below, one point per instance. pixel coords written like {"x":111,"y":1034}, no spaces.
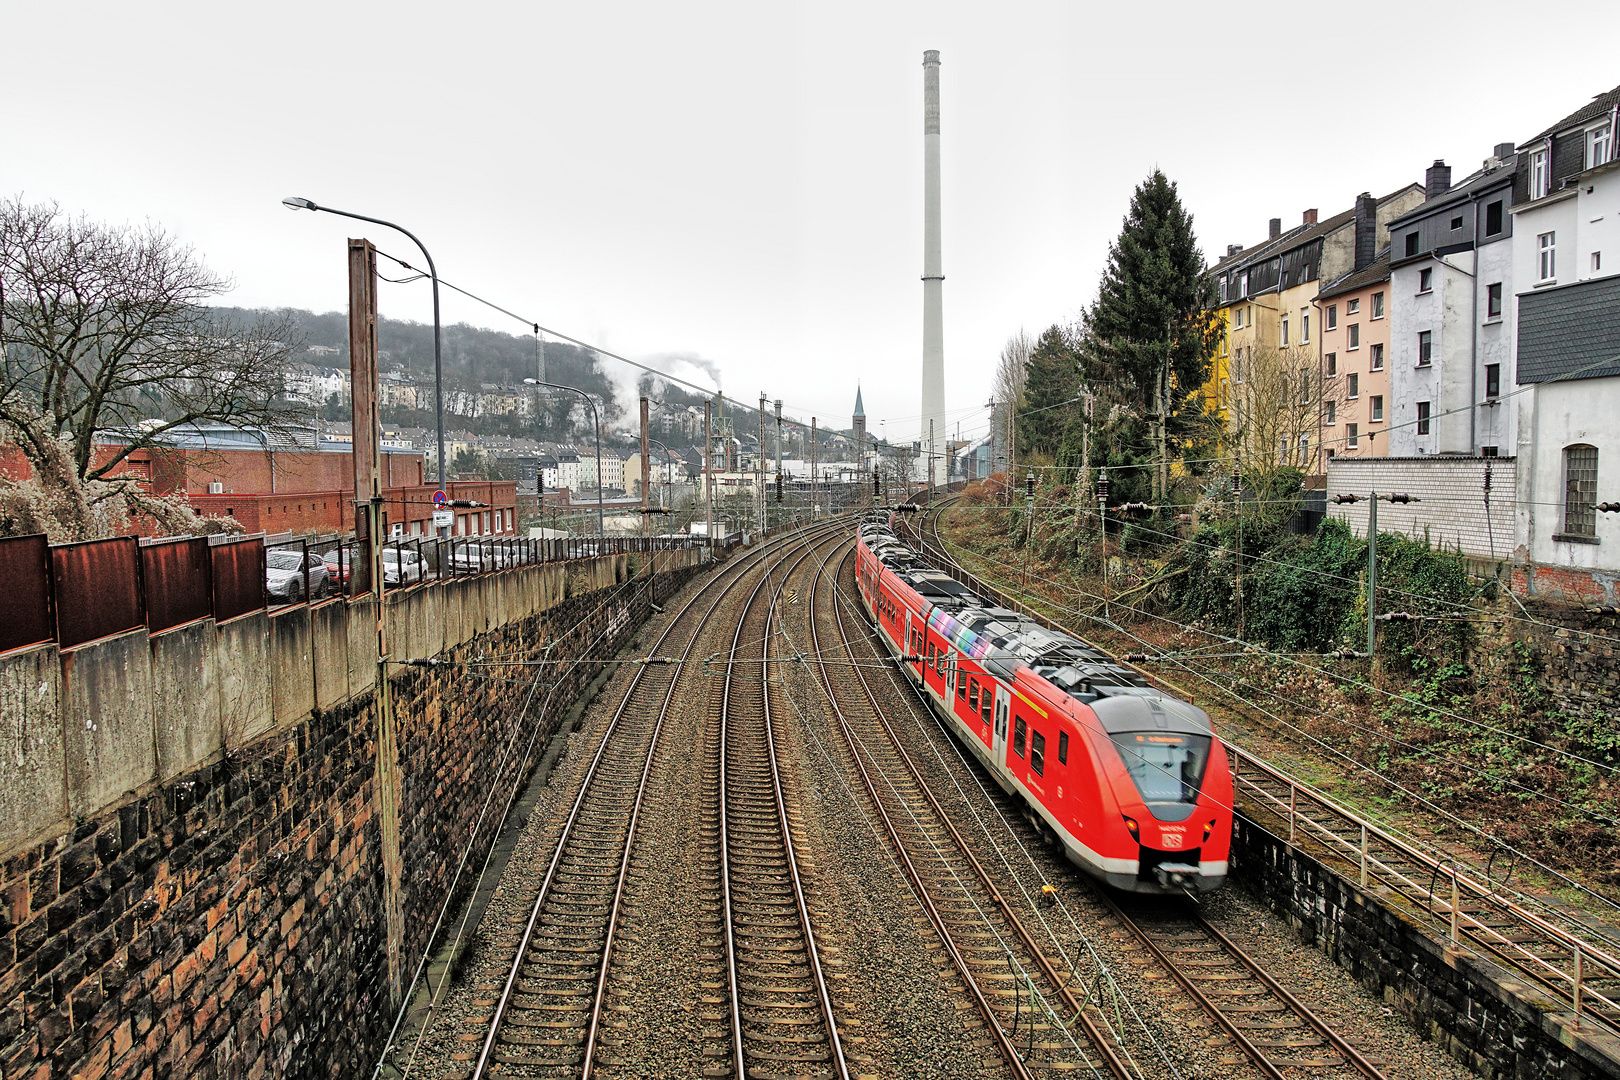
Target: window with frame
{"x":1332,"y":363}
{"x":984,"y":702}
{"x":973,"y":694}
{"x":1351,"y":307}
{"x":1540,"y":174}
{"x":1426,"y":279}
{"x":1063,"y":748}
{"x":1037,"y":753}
{"x":1597,"y":146}
{"x":1547,"y":255}
{"x":1425,"y":347}
{"x":1305,"y":326}
{"x":1020,"y":730}
{"x":1352,"y":337}
{"x":1284,"y":338}
{"x":1237,"y":318}
{"x":1580,"y":490}
{"x":1224,"y":392}
{"x":1493,"y":300}
{"x":1597,"y":261}
{"x":1423,"y":418}
{"x":1377,"y":363}
{"x":1224,"y":281}
{"x":1493,"y":380}
{"x":1329,"y":412}
{"x":1376,"y":409}
{"x":961,"y":683}
{"x":1412,"y":241}
{"x":1493,"y":218}
{"x":1378,"y":305}
{"x":1456,"y":223}
{"x":1304,"y":386}
{"x":1332,"y":316}
{"x":1353,"y":386}
{"x":1350,"y":442}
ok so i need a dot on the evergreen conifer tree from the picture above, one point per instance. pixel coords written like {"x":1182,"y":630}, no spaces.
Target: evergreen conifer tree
{"x":1150,"y":334}
{"x":1052,"y":382}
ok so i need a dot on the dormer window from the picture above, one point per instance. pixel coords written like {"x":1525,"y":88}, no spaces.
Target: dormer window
{"x":1540,"y":174}
{"x":1599,"y":140}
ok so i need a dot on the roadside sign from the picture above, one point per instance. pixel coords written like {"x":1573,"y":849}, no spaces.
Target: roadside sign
{"x":443,"y":519}
{"x":439,"y":499}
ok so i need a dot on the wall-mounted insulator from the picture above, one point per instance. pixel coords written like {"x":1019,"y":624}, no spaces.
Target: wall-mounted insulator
{"x":1401,"y":498}
{"x":1347,"y":498}
{"x":1609,"y":508}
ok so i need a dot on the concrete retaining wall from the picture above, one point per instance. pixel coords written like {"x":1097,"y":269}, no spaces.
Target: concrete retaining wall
{"x":192,"y":882}
{"x":1485,"y":1016}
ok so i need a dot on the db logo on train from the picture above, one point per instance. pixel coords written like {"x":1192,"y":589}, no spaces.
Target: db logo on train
{"x":1171,"y":840}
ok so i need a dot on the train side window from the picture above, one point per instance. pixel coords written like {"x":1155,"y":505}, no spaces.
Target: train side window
{"x":961,"y":683}
{"x":973,"y":694}
{"x":1063,"y":748}
{"x":1037,"y":753}
{"x":1018,"y":735}
{"x":984,"y":702}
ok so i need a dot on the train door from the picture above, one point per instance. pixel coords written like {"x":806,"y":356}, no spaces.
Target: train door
{"x":1003,"y":707}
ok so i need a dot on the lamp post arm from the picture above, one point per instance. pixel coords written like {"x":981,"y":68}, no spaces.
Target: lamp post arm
{"x":433,"y":275}
{"x":597,"y":422}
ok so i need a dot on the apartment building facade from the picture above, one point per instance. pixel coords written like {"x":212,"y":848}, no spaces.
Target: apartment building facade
{"x":1270,"y":383}
{"x":1566,"y":267}
{"x":1355,"y":373}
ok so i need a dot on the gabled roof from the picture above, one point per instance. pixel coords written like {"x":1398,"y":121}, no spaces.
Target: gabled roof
{"x":1372,"y":274}
{"x":1598,"y":106}
{"x":1469,"y":186}
{"x":1300,"y":235}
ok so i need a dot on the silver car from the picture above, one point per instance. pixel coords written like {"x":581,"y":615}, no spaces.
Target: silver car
{"x":285,"y":574}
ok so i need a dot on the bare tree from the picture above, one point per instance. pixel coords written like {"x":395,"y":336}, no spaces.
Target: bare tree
{"x":1007,"y":388}
{"x":106,"y":346}
{"x":1274,"y":398}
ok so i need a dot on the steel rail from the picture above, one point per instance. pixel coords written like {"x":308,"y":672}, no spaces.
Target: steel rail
{"x":1461,"y":925}
{"x":935,"y":916}
{"x":801,"y":903}
{"x":738,"y":570}
{"x":1257,"y":1055}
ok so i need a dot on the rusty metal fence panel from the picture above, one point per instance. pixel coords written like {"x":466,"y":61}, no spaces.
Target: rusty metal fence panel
{"x":178,"y":579}
{"x":238,"y":570}
{"x":25,"y":567}
{"x":98,"y":589}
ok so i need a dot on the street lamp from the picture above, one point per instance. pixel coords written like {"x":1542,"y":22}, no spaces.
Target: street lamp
{"x":293,"y":202}
{"x":600,"y":531}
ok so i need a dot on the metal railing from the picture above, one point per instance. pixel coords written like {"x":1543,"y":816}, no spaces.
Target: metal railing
{"x":1311,"y":815}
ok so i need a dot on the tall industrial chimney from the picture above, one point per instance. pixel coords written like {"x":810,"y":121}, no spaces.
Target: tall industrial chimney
{"x":933,"y":357}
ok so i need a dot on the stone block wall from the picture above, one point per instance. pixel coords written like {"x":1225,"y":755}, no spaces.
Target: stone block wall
{"x":1483,"y":1015}
{"x":227,"y":920}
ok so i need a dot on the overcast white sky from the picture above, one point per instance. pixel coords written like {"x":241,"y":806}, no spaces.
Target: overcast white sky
{"x":743,"y":181}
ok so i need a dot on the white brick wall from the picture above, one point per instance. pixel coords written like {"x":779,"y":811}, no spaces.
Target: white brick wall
{"x":1452,"y":506}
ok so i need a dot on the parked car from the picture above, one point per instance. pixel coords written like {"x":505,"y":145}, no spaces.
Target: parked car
{"x":285,"y":572}
{"x":401,"y":566}
{"x":337,"y":565}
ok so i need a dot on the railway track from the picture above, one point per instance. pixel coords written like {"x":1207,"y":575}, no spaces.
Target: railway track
{"x":549,"y":1014}
{"x":1000,"y":962}
{"x":782,"y":1019}
{"x":1264,"y":1026}
{"x":1462,"y":904}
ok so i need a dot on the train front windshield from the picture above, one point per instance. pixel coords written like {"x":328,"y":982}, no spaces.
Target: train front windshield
{"x":1167,"y":767}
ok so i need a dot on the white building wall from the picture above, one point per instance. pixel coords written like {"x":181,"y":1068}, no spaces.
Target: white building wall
{"x":1451,"y":420}
{"x":1564,"y":413}
{"x":1451,"y":512}
{"x":1495,"y":423}
{"x":1410,"y":312}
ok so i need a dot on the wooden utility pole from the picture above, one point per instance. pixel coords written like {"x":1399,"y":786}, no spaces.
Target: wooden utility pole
{"x":708,"y":471}
{"x":646,"y":468}
{"x":815,"y":475}
{"x":368,"y":503}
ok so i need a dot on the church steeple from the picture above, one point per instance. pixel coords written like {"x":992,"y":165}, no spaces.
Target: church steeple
{"x":859,"y":411}
{"x":857,"y":425}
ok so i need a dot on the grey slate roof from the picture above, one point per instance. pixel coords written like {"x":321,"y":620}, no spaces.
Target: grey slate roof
{"x":1467,"y":186}
{"x":1598,"y":106}
{"x":1298,"y":235}
{"x":1563,"y":330}
{"x":1376,"y":271}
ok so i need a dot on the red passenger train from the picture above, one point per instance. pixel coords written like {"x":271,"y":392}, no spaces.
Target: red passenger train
{"x":1133,"y":783}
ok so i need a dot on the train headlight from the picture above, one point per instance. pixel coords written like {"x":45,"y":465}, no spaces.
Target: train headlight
{"x":1135,"y":829}
{"x":1209,"y":828}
